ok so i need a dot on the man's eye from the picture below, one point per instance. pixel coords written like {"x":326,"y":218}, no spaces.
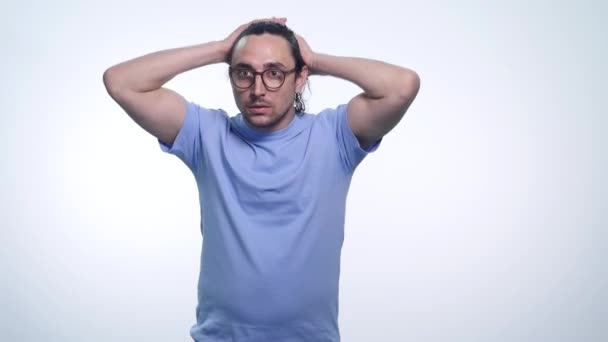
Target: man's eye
{"x":275,"y":73}
{"x":243,"y":73}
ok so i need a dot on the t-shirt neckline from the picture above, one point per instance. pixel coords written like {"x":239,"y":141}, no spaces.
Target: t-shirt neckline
{"x":294,"y":127}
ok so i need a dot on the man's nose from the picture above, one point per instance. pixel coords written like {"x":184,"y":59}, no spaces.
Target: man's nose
{"x":258,"y":87}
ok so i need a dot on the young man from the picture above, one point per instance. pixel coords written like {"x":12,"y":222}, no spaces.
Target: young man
{"x":273,"y":179}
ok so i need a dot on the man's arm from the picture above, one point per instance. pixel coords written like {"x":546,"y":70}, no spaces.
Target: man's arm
{"x":388,"y":91}
{"x":136,"y":85}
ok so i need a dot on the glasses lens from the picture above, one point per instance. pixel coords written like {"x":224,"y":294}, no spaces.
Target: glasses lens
{"x":242,"y":78}
{"x":273,"y":78}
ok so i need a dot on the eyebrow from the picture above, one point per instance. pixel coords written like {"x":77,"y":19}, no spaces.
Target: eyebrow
{"x":274,"y":65}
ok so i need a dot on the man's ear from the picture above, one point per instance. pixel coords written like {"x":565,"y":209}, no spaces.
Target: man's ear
{"x":301,"y":79}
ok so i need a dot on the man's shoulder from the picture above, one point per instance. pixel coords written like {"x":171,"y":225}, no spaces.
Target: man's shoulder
{"x":207,"y":116}
{"x":333,"y":110}
{"x":330,"y":115}
{"x":196,"y":107}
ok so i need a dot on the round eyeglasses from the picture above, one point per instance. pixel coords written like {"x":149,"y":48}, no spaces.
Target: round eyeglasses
{"x":243,"y":78}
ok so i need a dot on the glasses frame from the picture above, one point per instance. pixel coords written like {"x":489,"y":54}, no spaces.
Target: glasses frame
{"x":255,"y":75}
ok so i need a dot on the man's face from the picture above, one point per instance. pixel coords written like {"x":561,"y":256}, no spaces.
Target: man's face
{"x":266,"y":109}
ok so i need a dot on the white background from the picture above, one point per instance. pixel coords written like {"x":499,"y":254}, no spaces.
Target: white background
{"x":482,"y":217}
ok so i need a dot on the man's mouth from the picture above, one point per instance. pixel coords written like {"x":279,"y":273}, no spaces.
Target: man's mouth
{"x":258,"y":109}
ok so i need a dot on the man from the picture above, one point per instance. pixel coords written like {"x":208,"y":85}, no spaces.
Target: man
{"x":273,"y":179}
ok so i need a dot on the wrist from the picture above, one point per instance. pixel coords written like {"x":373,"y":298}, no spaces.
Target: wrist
{"x":220,"y":51}
{"x":316,"y":64}
{"x":223,"y":49}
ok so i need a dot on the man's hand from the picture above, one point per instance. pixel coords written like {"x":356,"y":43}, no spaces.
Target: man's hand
{"x":308,"y":55}
{"x":231,"y":39}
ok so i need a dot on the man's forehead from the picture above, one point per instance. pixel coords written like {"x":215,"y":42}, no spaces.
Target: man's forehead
{"x":262,"y":51}
{"x":267,"y":65}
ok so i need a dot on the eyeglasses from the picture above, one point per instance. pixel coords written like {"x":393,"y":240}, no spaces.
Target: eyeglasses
{"x":243,"y":78}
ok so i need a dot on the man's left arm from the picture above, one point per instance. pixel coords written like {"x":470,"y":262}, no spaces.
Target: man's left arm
{"x":388,"y":91}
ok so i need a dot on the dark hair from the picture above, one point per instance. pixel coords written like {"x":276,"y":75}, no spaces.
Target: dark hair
{"x":271,"y":27}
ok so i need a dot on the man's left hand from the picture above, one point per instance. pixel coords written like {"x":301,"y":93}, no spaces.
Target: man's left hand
{"x":307,"y":54}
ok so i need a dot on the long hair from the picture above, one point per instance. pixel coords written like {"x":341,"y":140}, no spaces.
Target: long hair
{"x":261,"y":27}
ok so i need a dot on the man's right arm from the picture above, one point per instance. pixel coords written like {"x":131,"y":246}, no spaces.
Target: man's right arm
{"x":137,"y":86}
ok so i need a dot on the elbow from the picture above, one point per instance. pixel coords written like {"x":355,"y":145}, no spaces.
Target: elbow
{"x":404,"y":90}
{"x":409,"y":85}
{"x":112,"y":82}
{"x":109,"y":80}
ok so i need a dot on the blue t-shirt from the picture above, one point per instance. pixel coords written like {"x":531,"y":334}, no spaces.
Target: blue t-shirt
{"x":272,"y":221}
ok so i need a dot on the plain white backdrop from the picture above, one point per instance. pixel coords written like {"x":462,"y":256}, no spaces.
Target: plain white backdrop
{"x":482,"y":217}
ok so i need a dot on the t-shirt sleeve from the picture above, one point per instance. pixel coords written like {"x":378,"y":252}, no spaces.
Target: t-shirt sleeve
{"x":188,"y":144}
{"x":350,"y":151}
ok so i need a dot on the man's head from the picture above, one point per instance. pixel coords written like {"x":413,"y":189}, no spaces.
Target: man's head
{"x":268,"y":75}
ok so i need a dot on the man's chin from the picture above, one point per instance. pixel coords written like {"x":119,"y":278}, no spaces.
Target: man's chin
{"x":260,"y":121}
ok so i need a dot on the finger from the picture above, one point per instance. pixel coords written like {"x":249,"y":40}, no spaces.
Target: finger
{"x":281,"y":21}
